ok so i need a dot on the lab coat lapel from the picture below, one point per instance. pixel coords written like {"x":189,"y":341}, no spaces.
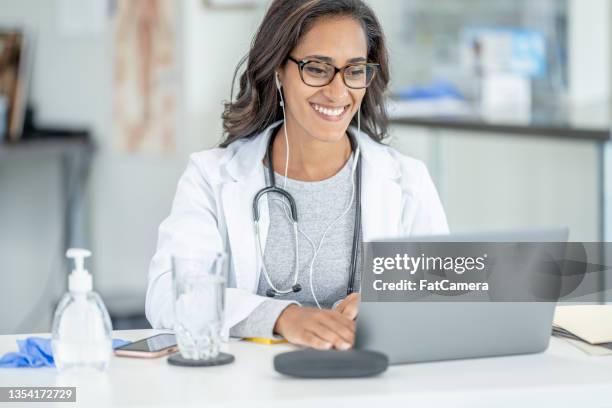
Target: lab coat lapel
{"x":237,"y":205}
{"x":381,"y":194}
{"x":237,"y":196}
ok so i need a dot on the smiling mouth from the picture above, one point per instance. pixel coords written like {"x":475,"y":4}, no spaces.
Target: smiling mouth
{"x":330,"y":113}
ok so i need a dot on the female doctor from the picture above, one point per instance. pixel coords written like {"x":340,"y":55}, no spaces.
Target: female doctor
{"x":300,"y":180}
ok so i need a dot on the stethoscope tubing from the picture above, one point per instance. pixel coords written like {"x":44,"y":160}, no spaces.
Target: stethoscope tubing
{"x":294,"y":218}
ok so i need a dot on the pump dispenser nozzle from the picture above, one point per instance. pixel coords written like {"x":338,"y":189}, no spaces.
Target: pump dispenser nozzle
{"x":80,"y":279}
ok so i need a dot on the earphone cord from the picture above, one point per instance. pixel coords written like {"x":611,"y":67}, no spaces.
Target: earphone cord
{"x":286,"y":139}
{"x":310,"y":241}
{"x":316,"y":249}
{"x":295,"y":225}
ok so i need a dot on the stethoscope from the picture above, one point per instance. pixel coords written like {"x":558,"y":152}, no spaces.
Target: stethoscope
{"x":273,"y":188}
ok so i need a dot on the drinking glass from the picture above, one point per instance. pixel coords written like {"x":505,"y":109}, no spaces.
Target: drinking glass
{"x":199,"y":302}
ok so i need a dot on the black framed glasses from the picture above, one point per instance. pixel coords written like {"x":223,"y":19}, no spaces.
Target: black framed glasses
{"x":318,"y":74}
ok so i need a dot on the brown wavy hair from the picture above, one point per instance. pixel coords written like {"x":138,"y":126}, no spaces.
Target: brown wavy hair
{"x":257,"y":104}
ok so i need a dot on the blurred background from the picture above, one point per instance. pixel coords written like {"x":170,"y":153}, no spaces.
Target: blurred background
{"x":102,"y":101}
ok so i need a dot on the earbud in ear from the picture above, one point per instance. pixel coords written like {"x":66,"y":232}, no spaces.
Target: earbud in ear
{"x":278,"y":86}
{"x":277,"y":79}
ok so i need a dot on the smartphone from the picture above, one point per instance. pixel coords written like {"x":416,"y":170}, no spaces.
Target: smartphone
{"x":151,"y":347}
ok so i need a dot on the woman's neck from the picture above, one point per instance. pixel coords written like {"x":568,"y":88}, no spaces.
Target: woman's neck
{"x":309,"y":159}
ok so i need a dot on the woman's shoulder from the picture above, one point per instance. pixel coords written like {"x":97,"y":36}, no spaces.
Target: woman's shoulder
{"x":410,"y":171}
{"x":414,"y":176}
{"x":217,"y":154}
{"x":427,"y":214}
{"x":213,"y":162}
{"x":410,"y":167}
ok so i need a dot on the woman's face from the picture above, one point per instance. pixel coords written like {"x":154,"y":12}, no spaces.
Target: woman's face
{"x":324,"y":113}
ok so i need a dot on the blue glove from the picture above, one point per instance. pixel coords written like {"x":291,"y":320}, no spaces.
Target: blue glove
{"x":36,"y":352}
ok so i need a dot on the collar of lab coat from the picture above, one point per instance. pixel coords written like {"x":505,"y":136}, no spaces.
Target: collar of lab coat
{"x":249,"y":155}
{"x":381,"y":200}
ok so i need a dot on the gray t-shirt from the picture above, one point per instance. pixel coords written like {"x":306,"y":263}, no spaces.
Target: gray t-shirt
{"x":318,"y":203}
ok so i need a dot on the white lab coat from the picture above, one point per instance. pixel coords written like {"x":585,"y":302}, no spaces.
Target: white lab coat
{"x":212,"y":211}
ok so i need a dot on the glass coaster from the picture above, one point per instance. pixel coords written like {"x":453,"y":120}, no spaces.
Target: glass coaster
{"x":222,"y":359}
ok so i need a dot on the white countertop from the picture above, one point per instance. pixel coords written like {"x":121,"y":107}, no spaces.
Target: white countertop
{"x":561,"y":376}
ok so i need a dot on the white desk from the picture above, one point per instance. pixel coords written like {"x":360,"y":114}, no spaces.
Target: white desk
{"x":562,"y":376}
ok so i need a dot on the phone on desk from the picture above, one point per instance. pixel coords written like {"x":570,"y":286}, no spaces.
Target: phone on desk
{"x":151,"y":347}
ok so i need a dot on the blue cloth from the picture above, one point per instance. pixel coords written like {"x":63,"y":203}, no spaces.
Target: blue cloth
{"x":36,"y":352}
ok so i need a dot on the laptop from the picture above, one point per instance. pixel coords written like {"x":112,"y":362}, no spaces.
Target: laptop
{"x":410,"y":332}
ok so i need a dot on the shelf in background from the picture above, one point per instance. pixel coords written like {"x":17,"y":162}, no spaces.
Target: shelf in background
{"x":49,"y":142}
{"x":590,"y":122}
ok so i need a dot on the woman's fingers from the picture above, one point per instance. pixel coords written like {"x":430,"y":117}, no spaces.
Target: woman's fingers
{"x":320,"y":329}
{"x":351,"y":309}
{"x":349,"y":306}
{"x":332,"y":327}
{"x":340,"y":319}
{"x":337,"y":335}
{"x":340,"y":324}
{"x":309,"y":339}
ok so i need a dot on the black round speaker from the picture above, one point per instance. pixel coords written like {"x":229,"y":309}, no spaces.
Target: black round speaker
{"x":310,"y":363}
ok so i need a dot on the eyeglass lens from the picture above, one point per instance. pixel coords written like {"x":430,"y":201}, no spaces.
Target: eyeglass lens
{"x":320,"y":74}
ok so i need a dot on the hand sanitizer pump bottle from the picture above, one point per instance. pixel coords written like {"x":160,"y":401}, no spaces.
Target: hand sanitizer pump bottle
{"x":82,"y":329}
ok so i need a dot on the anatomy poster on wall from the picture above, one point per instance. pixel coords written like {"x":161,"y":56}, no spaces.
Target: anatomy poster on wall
{"x":145,"y":76}
{"x":15,"y":65}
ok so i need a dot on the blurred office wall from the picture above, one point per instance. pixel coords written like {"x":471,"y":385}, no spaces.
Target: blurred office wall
{"x":68,"y":88}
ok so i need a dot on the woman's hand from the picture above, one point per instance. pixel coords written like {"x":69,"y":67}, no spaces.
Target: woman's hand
{"x":349,"y":306}
{"x":319,"y":329}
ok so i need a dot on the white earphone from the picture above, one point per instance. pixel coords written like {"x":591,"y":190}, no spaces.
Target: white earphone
{"x":278,"y":87}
